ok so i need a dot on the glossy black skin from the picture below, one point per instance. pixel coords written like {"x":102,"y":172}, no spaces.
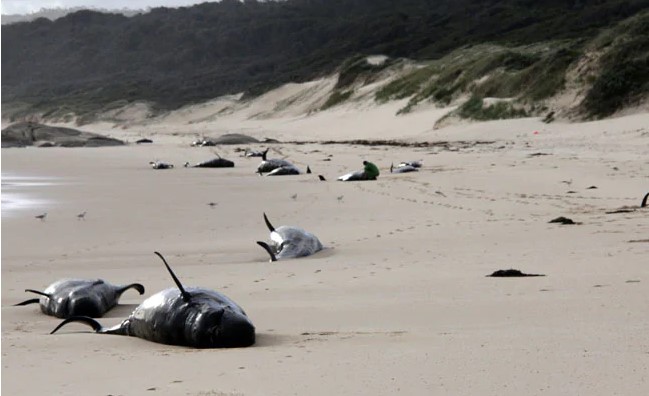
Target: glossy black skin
{"x":194,"y":317}
{"x":208,"y":320}
{"x":74,"y":297}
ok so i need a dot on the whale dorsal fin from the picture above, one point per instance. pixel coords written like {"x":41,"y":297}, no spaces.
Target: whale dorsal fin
{"x":270,"y":226}
{"x":186,"y":296}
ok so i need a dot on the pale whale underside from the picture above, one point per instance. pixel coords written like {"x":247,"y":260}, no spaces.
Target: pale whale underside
{"x":290,"y":242}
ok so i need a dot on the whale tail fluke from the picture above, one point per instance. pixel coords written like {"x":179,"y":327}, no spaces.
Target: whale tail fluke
{"x":644,"y":201}
{"x":96,"y":326}
{"x":270,"y":226}
{"x":268,"y":250}
{"x":137,"y":286}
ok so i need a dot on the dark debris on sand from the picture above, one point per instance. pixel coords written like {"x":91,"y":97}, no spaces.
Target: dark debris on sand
{"x":397,"y":143}
{"x":511,"y":273}
{"x":562,"y":220}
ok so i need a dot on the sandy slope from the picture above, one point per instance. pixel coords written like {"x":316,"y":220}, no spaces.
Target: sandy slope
{"x":398,"y":303}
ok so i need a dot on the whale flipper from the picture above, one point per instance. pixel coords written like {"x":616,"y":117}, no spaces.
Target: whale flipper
{"x":268,"y":249}
{"x":37,"y":292}
{"x":27,"y":302}
{"x":96,"y":326}
{"x":34,"y":300}
{"x":137,"y":286}
{"x":644,"y":201}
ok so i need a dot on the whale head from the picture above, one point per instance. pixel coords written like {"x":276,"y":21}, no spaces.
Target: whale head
{"x":222,"y":328}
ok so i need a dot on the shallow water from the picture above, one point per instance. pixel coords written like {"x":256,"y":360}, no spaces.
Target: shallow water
{"x":19,"y":193}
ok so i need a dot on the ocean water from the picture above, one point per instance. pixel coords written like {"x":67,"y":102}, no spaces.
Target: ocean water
{"x":19,"y":195}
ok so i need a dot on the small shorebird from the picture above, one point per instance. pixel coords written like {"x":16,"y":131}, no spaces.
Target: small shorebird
{"x":568,"y":182}
{"x":41,"y":217}
{"x":340,"y":198}
{"x":294,"y":196}
{"x":212,"y":204}
{"x":81,"y":216}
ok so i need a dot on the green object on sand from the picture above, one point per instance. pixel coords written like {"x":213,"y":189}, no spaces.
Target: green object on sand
{"x":371,"y":170}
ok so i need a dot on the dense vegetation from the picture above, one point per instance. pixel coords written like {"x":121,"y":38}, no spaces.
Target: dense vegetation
{"x":171,"y":57}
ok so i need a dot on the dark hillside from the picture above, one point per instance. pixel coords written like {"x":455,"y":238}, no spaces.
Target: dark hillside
{"x":173,"y":57}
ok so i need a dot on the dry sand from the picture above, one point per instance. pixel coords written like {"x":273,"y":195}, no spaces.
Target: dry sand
{"x":398,"y":302}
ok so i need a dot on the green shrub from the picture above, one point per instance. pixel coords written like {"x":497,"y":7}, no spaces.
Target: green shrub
{"x":357,"y":68}
{"x":615,"y":86}
{"x":405,"y":86}
{"x":474,"y":109}
{"x":336,"y":98}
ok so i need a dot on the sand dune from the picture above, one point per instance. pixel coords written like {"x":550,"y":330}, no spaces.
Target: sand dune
{"x":396,"y":303}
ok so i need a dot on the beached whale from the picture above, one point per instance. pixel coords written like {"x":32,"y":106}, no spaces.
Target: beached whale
{"x":403,"y":168}
{"x":73,"y":297}
{"x":414,"y":164}
{"x":194,"y":317}
{"x":268,"y":165}
{"x":289,"y":242}
{"x":353,"y":176}
{"x":213,"y":163}
{"x":253,"y":153}
{"x":284,"y":170}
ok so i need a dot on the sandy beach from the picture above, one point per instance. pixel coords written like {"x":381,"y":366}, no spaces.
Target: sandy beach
{"x":398,"y":302}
